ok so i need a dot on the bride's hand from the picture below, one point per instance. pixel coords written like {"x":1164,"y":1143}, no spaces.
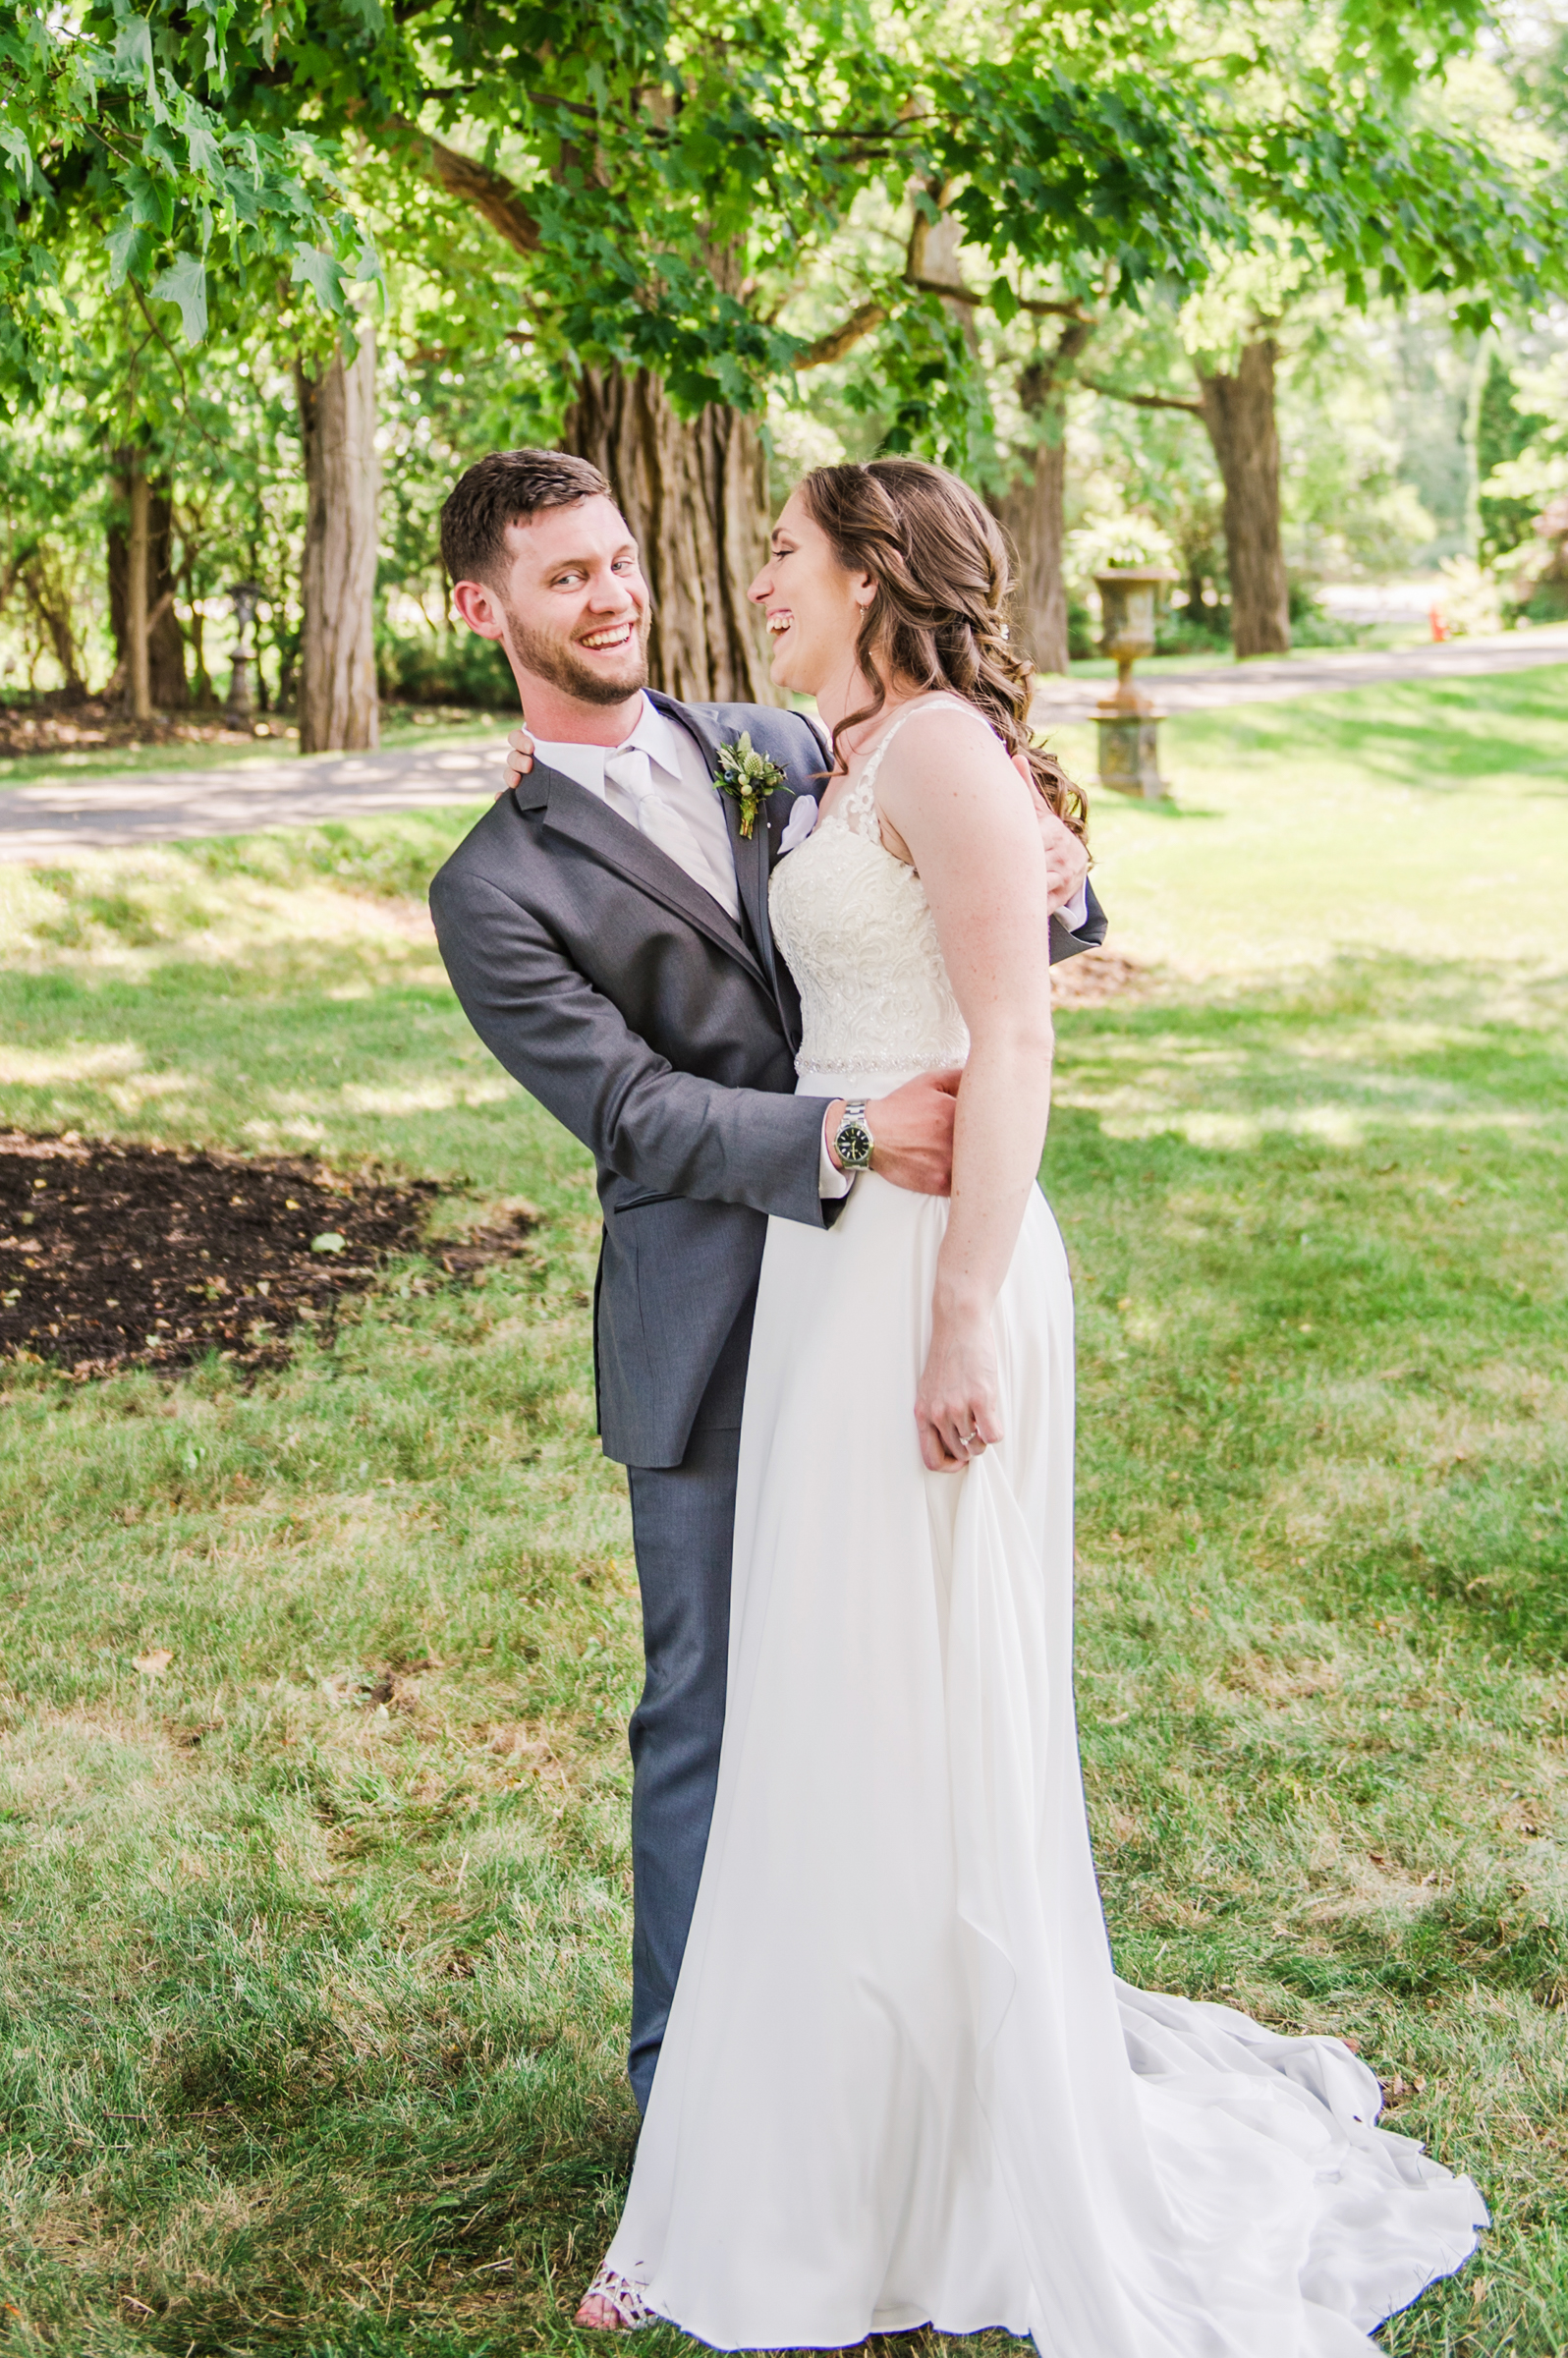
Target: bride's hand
{"x":958,"y":1408}
{"x":519,"y":759}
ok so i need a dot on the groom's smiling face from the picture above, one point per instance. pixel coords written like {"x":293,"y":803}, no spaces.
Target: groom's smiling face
{"x":572,"y":607}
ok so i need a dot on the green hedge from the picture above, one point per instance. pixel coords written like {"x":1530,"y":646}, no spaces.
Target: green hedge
{"x":444,"y":667}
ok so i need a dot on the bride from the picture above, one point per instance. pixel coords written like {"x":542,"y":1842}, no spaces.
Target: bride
{"x":901,"y":2082}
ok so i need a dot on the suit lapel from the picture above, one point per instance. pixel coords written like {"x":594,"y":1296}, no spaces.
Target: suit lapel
{"x":571,"y":810}
{"x":751,"y":855}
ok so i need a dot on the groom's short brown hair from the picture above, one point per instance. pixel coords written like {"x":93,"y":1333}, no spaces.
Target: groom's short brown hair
{"x":509,"y":486}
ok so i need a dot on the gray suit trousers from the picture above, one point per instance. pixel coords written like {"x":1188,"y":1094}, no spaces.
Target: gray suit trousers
{"x":682,"y":1522}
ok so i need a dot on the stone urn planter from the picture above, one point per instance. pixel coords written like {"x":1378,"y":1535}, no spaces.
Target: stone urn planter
{"x":1127,"y":720}
{"x":240,"y":702}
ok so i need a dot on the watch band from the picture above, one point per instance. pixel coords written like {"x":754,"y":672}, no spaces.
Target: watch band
{"x":853,"y":1142}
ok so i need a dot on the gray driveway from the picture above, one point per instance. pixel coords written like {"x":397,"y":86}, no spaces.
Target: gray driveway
{"x":53,"y":815}
{"x":1268,"y":679}
{"x":57,"y":814}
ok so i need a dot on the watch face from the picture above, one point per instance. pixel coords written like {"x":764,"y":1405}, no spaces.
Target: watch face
{"x":854,"y":1144}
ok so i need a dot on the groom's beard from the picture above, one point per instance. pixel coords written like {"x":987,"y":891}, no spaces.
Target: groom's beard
{"x":558,"y":661}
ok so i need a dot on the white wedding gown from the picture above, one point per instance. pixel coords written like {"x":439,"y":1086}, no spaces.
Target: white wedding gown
{"x":901,"y":2082}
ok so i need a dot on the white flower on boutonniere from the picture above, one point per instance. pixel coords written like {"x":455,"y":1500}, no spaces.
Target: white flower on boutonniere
{"x":747,"y":777}
{"x":803,"y":818}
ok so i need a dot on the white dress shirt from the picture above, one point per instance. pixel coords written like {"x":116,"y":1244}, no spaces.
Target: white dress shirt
{"x":680,"y":777}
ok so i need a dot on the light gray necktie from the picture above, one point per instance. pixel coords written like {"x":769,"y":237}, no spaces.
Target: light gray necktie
{"x":628,"y":788}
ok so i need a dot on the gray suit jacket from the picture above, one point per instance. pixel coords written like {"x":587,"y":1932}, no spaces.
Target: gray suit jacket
{"x":662,"y":1034}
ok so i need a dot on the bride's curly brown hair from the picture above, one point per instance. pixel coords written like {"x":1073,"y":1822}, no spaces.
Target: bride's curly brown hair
{"x":939,"y":620}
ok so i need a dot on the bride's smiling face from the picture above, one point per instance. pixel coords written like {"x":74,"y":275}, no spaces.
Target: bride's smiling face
{"x":814,"y":607}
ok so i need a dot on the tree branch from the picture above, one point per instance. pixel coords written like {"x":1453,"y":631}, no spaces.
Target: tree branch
{"x":155,"y":614}
{"x":863,"y":322}
{"x":1142,"y":401}
{"x":870,"y":316}
{"x":838,"y":340}
{"x":489,"y":192}
{"x":1041,"y":308}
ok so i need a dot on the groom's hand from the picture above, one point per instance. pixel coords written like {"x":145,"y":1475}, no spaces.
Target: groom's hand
{"x":913,"y":1127}
{"x":1066,"y":858}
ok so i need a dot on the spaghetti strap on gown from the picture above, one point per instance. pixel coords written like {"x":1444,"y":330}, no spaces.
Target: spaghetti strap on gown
{"x":901,"y":2081}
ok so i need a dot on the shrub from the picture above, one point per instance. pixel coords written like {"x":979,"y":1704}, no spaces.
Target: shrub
{"x":444,"y":667}
{"x":1311,"y":625}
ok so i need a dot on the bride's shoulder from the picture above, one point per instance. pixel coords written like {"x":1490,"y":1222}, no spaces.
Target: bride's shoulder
{"x":948,"y":787}
{"x":932,"y":733}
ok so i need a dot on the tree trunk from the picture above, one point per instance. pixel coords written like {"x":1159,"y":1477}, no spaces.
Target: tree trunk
{"x":166,"y":639}
{"x":1032,"y":512}
{"x":336,"y":673}
{"x":135,"y":615}
{"x":201,"y":694}
{"x":1238,"y":413}
{"x":49,"y":595}
{"x":695,"y":496}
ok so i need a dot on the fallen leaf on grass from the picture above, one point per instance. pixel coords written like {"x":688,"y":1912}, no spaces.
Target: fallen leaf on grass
{"x":154,"y":1663}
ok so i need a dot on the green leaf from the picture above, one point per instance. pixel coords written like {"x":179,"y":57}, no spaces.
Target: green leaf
{"x":132,"y":53}
{"x":205,"y":154}
{"x":1003,"y":302}
{"x":323,"y":274}
{"x":128,"y":246}
{"x":151,"y":200}
{"x":13,"y":145}
{"x":185,"y":282}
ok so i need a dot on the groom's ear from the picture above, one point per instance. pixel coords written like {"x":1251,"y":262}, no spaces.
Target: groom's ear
{"x":479,"y":608}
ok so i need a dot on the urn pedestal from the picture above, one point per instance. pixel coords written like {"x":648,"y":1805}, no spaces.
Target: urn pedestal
{"x":1128,"y":722}
{"x":240,"y":702}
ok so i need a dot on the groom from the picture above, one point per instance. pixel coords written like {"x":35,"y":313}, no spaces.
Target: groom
{"x":605,"y":928}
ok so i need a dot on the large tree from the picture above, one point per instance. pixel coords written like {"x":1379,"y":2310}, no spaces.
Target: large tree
{"x":672,"y":186}
{"x":132,"y":179}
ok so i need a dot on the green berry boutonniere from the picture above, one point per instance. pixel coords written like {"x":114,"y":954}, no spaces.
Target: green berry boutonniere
{"x":747,"y":777}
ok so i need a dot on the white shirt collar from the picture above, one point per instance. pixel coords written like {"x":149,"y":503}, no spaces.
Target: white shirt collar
{"x":654,"y":735}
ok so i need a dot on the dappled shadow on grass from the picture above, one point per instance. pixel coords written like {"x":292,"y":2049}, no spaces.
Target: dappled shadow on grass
{"x":313,"y":1943}
{"x":294,"y":1052}
{"x":1323,"y":1543}
{"x":1353,"y":1254}
{"x":1434,"y":736}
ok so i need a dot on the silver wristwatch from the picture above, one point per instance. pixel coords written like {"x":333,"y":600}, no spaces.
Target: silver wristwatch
{"x":852,"y":1140}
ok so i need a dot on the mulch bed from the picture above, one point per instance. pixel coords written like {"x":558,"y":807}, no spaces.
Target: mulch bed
{"x":113,"y":1256}
{"x":1094,"y":977}
{"x":53,"y":724}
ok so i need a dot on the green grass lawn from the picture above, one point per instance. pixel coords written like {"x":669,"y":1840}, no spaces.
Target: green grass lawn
{"x":314,"y":1951}
{"x":1430,"y":819}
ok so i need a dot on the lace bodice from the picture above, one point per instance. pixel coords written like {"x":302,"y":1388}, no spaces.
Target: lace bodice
{"x":857,"y":932}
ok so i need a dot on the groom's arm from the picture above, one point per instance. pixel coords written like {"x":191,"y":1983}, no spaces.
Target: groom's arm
{"x":572,"y":1048}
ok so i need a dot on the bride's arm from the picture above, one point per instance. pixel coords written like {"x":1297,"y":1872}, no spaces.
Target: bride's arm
{"x":968,"y":820}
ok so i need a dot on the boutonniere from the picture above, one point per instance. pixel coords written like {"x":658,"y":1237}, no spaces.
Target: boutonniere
{"x":747,"y":777}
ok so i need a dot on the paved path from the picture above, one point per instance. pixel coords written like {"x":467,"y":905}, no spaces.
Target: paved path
{"x":1271,"y":681}
{"x":54,"y":816}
